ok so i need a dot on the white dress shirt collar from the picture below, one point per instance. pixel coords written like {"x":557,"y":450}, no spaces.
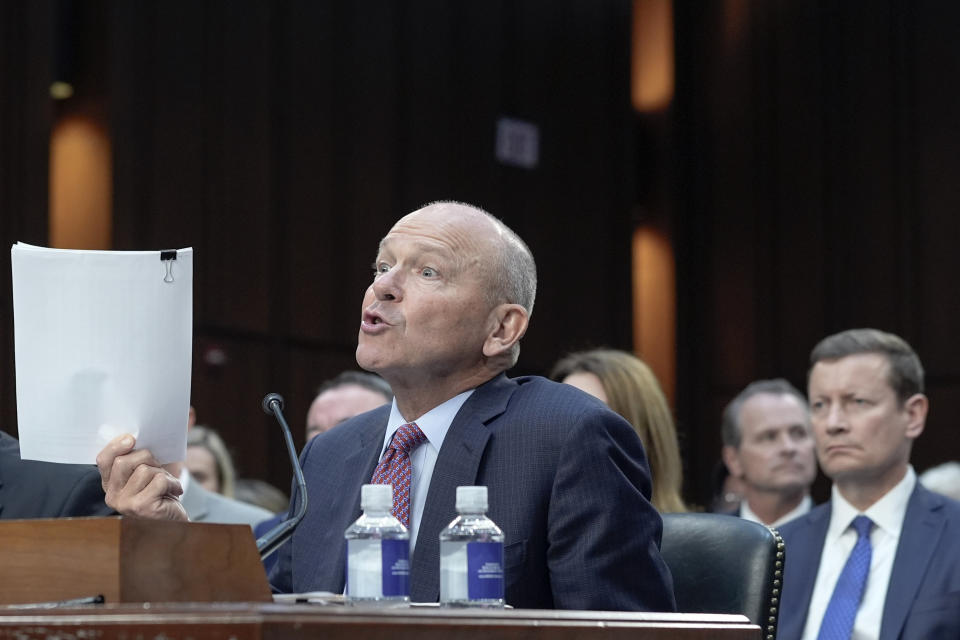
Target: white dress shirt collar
{"x":886,"y":513}
{"x":434,"y":423}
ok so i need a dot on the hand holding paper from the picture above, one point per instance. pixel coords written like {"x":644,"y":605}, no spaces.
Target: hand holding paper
{"x":136,"y":485}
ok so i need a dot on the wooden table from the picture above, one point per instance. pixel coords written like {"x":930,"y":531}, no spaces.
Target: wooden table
{"x":258,"y":621}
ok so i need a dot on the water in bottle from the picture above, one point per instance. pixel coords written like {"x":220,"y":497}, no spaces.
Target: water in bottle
{"x":471,"y":555}
{"x":378,"y":551}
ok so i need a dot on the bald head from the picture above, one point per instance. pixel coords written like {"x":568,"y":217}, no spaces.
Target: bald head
{"x":505,"y":260}
{"x":502,"y":258}
{"x":448,"y":304}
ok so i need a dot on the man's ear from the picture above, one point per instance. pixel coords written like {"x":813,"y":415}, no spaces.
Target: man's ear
{"x":732,"y":460}
{"x":916,"y":408}
{"x":508,"y":323}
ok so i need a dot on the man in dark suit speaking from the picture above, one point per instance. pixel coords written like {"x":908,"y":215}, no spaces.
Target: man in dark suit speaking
{"x":452,"y":293}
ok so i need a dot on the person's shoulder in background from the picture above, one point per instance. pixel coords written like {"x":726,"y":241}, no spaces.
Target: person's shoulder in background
{"x":33,"y":489}
{"x":207,"y":506}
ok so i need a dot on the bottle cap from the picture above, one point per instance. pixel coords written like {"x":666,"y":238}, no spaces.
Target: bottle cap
{"x":472,"y":499}
{"x":376,"y":497}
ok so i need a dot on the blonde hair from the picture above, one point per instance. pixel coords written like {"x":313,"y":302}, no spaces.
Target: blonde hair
{"x":634,"y":392}
{"x":201,"y":436}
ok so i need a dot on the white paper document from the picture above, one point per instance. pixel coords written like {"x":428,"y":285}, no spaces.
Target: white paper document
{"x":102,"y":344}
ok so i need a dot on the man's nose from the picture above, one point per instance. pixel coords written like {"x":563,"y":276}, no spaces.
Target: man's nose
{"x":836,"y":419}
{"x":788,"y":444}
{"x":388,"y":285}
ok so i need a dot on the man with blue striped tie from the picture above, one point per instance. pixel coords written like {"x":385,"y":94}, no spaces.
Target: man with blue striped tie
{"x":881,"y":560}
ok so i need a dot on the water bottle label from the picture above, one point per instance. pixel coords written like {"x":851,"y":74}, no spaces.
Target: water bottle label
{"x":395,"y":557}
{"x":378,"y":568}
{"x":485,"y":570}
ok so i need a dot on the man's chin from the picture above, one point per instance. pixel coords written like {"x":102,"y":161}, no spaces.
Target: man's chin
{"x":365,"y":359}
{"x":363,"y":362}
{"x":369,"y":360}
{"x":791,"y":486}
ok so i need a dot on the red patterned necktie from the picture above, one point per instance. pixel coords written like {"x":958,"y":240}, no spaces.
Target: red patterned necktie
{"x":394,"y":468}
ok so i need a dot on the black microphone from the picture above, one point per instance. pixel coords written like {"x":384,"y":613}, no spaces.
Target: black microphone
{"x":270,"y":541}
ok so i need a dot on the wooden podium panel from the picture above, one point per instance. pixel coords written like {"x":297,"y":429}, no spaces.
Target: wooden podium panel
{"x":205,"y":582}
{"x":251,"y":621}
{"x":128,"y":560}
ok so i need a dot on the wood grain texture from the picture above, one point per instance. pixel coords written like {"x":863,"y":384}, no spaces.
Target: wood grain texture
{"x":128,"y":560}
{"x":289,"y":622}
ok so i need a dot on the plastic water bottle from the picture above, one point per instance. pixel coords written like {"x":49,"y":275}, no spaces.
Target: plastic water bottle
{"x":378,"y":551}
{"x":471,"y":555}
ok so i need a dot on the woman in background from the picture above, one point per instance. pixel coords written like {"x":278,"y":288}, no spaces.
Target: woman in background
{"x":209,"y":462}
{"x":629,"y":387}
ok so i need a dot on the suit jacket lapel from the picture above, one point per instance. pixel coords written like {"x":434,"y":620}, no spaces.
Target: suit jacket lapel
{"x":923,"y":525}
{"x":806,"y":544}
{"x":457,"y":465}
{"x":363,"y":461}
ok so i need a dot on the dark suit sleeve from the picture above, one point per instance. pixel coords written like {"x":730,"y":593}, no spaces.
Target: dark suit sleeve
{"x":279,"y":565}
{"x":280,"y":574}
{"x":86,"y":497}
{"x":603,"y":533}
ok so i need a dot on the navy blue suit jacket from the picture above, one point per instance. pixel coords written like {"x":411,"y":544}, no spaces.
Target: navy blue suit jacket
{"x":568,"y":484}
{"x":923,"y":599}
{"x":263,"y":528}
{"x":31,"y":489}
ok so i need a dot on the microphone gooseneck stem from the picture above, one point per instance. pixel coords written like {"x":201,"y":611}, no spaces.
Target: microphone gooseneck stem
{"x":271,"y":541}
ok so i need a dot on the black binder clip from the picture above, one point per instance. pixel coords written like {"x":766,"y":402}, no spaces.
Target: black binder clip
{"x":167,"y":258}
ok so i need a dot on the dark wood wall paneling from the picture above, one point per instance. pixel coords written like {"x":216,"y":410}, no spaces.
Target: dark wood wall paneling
{"x":25,"y":115}
{"x":282,"y":140}
{"x":817,"y":143}
{"x":816,"y":146}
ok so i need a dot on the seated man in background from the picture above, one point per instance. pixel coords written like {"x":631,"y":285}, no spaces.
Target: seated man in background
{"x":349,"y":394}
{"x":882,"y":558}
{"x":768,"y":448}
{"x":32,"y":489}
{"x":452,"y":292}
